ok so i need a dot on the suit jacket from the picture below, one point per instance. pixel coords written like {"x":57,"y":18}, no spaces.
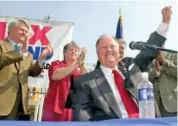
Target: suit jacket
{"x":93,"y":98}
{"x":14,"y":72}
{"x":165,"y":82}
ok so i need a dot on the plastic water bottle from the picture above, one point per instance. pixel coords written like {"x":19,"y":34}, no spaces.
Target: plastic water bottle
{"x":146,"y":98}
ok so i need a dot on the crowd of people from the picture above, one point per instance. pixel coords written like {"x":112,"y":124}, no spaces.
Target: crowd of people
{"x":74,"y":93}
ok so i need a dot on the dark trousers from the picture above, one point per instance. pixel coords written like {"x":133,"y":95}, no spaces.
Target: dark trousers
{"x":17,"y":108}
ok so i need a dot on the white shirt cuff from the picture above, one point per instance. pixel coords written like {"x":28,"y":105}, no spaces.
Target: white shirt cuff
{"x":41,"y":63}
{"x":163,"y":29}
{"x":23,"y":54}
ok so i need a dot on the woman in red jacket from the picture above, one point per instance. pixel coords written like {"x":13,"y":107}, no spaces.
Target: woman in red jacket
{"x":58,"y":101}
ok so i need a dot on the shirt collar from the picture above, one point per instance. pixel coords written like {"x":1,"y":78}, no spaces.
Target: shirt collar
{"x":12,"y":42}
{"x":107,"y":71}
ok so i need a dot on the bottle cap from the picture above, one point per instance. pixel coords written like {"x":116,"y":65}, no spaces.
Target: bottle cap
{"x":145,"y":75}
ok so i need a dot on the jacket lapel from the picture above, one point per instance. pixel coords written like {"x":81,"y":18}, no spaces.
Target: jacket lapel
{"x":9,"y":47}
{"x":128,"y":82}
{"x":17,"y":66}
{"x":106,"y":91}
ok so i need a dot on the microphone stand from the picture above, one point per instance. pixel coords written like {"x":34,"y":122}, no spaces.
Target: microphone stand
{"x":154,"y":47}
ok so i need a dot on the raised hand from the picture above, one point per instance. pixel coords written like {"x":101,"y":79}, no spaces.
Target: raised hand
{"x":46,"y":52}
{"x":82,"y":56}
{"x":166,"y":14}
{"x":24,"y":44}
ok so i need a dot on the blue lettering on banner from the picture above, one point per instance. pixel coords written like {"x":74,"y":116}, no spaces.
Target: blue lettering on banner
{"x":145,"y":94}
{"x":36,"y":51}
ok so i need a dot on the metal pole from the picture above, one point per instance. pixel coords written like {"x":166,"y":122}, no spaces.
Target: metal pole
{"x":39,"y":105}
{"x":41,"y":102}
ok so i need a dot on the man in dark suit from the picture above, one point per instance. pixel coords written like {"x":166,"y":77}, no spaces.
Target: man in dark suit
{"x":110,"y":91}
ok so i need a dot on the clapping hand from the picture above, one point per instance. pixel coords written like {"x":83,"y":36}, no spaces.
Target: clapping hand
{"x":24,"y":44}
{"x":82,"y":56}
{"x":159,"y":61}
{"x":46,"y":52}
{"x":160,"y":58}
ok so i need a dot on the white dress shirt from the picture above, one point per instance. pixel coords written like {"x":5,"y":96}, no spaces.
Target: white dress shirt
{"x":19,"y":46}
{"x":110,"y":78}
{"x":162,"y":30}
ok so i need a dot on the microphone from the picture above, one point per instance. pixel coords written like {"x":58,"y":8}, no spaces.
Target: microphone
{"x":143,"y":46}
{"x":138,"y":45}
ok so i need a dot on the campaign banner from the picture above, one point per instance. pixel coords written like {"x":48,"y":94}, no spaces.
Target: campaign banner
{"x":42,"y":33}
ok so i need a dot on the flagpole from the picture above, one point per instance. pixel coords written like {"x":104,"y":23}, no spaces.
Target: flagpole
{"x":119,"y":34}
{"x":120,"y":11}
{"x":120,"y":14}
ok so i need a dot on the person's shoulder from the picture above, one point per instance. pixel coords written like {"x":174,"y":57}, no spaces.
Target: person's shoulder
{"x":127,"y":61}
{"x":170,"y":56}
{"x":87,"y":76}
{"x":2,"y":42}
{"x":56,"y":62}
{"x":127,"y":58}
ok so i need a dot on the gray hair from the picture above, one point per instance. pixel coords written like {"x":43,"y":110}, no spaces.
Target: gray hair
{"x":72,"y":43}
{"x":14,"y":23}
{"x":121,"y":41}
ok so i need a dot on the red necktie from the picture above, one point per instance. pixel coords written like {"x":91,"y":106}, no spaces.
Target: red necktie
{"x":127,"y":100}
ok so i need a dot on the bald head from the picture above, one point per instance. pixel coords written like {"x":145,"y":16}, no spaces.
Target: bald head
{"x":107,"y":51}
{"x":104,"y":36}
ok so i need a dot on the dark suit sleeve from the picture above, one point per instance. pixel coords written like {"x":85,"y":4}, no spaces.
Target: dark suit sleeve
{"x":7,"y":58}
{"x":145,"y":57}
{"x":35,"y":68}
{"x":82,"y":102}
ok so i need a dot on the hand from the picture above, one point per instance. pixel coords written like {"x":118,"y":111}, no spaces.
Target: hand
{"x":160,"y":58}
{"x":166,"y":14}
{"x":82,"y":56}
{"x":24,"y":44}
{"x":157,"y":65}
{"x":46,"y":52}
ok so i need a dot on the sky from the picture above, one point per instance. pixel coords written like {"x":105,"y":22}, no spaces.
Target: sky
{"x":91,"y":19}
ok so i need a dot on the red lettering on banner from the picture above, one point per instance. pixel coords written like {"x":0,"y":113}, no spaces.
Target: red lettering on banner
{"x":39,"y":34}
{"x":2,"y":30}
